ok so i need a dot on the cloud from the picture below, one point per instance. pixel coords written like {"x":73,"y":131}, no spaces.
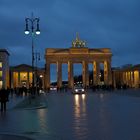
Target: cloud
{"x":102,"y":23}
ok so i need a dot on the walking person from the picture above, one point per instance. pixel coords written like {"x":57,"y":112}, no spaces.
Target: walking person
{"x":3,"y":98}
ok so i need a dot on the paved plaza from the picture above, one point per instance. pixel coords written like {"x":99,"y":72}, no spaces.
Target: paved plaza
{"x":100,"y":115}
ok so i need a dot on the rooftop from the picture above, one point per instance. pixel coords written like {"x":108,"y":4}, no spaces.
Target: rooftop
{"x":4,"y":50}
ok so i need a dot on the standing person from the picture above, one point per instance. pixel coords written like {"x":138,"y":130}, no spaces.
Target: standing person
{"x":3,"y":98}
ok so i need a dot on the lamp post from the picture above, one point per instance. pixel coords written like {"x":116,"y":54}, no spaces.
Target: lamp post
{"x":37,"y":58}
{"x":33,"y":21}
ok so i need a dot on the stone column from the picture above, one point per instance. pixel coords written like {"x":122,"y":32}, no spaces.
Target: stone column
{"x":107,"y":73}
{"x":18,"y":79}
{"x":133,"y":78}
{"x":85,"y":74}
{"x":96,"y":71}
{"x":124,"y":78}
{"x":12,"y":79}
{"x":47,"y":75}
{"x":139,"y":78}
{"x":129,"y":75}
{"x":59,"y":74}
{"x":70,"y":74}
{"x":128,"y":78}
{"x":28,"y":80}
{"x":114,"y":79}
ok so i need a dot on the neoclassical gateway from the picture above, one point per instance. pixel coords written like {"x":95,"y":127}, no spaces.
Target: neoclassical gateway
{"x":79,"y":53}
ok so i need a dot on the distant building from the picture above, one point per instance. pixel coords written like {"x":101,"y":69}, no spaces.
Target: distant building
{"x":21,"y":75}
{"x":128,"y":75}
{"x":4,"y":68}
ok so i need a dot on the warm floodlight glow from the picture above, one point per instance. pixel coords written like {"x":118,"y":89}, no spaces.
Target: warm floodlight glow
{"x":0,"y":64}
{"x":0,"y":74}
{"x":1,"y":84}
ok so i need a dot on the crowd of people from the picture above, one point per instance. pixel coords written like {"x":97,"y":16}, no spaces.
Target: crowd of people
{"x":18,"y":91}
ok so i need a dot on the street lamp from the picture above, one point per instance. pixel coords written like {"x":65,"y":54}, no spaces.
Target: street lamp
{"x":37,"y":58}
{"x":33,"y":21}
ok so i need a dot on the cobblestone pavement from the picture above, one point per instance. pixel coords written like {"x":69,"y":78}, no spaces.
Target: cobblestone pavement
{"x":18,"y":115}
{"x":97,"y":115}
{"x":13,"y":137}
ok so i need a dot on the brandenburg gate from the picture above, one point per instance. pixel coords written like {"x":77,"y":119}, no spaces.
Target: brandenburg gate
{"x":79,"y":53}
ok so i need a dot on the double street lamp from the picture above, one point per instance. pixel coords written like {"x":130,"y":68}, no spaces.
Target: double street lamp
{"x":34,"y":27}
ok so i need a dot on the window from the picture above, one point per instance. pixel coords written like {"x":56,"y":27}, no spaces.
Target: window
{"x":0,"y":64}
{"x":1,"y":84}
{"x":0,"y":73}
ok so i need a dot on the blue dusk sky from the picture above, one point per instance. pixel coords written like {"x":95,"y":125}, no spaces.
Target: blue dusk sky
{"x":101,"y":23}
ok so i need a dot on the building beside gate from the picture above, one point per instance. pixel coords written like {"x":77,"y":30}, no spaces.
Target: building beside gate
{"x":4,"y":68}
{"x":21,"y":76}
{"x":128,"y":76}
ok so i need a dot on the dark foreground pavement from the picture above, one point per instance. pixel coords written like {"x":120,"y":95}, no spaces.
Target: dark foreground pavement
{"x":13,"y":137}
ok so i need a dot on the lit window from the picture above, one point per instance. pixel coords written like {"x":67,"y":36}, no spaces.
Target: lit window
{"x":1,"y":84}
{"x":0,"y":64}
{"x":0,"y":73}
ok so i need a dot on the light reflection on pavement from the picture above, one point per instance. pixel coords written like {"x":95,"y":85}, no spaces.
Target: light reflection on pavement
{"x":99,"y":116}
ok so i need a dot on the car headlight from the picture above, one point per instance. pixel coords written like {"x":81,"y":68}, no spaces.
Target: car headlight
{"x":76,"y":90}
{"x":82,"y":89}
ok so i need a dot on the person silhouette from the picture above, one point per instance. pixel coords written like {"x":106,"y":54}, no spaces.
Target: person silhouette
{"x":3,"y":98}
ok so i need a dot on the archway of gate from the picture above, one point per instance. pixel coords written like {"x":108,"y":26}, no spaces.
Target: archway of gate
{"x":77,"y":74}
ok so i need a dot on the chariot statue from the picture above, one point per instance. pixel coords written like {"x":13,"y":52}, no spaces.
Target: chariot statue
{"x":77,"y":43}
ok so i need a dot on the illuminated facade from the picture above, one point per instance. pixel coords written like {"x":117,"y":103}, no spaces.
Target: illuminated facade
{"x":129,"y":76}
{"x":21,"y":75}
{"x":79,"y":53}
{"x":4,"y":68}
